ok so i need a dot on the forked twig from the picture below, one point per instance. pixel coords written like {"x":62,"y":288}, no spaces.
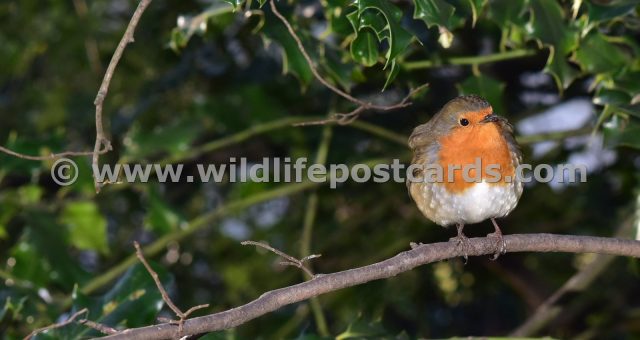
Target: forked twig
{"x":289,"y":260}
{"x":182,"y":315}
{"x":102,"y":144}
{"x":57,"y":325}
{"x":340,"y":118}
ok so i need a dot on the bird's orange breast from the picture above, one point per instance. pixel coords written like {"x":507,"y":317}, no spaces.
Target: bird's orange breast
{"x":463,"y":146}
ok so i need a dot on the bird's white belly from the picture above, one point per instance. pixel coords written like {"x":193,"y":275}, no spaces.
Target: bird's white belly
{"x":475,"y":204}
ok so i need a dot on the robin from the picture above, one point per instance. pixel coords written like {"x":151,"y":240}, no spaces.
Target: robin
{"x":466,"y":133}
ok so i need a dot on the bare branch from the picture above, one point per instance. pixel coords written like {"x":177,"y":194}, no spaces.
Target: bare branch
{"x":59,"y":324}
{"x":340,"y":118}
{"x":289,"y":260}
{"x":163,"y":292}
{"x":405,"y":261}
{"x":101,"y":138}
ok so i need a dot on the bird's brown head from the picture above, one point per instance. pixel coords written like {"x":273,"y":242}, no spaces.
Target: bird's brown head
{"x":466,"y":113}
{"x":463,"y":116}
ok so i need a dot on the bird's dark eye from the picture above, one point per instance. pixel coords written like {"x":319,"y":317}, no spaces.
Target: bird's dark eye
{"x":464,"y":121}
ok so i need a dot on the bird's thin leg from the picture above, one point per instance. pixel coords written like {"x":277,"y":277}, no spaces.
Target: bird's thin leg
{"x":462,"y":240}
{"x":501,"y":245}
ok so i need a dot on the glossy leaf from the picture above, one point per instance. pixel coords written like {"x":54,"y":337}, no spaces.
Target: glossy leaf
{"x":549,"y":27}
{"x":596,"y":55}
{"x":364,"y":48}
{"x":563,"y":73}
{"x":396,"y":36}
{"x":602,"y":11}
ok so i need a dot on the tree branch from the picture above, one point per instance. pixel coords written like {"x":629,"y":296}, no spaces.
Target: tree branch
{"x":405,"y":261}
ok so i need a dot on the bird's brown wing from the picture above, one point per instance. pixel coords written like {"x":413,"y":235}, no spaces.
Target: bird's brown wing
{"x":423,"y":142}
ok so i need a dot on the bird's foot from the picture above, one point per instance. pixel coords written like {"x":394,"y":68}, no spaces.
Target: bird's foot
{"x":462,"y":241}
{"x":501,"y":245}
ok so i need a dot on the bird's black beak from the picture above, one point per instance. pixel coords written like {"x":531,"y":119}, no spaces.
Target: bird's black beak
{"x":491,"y":118}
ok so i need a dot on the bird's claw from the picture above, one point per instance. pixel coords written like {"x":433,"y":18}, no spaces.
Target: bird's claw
{"x":501,"y":245}
{"x":462,"y":241}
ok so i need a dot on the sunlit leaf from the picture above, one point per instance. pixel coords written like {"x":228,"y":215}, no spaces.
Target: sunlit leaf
{"x":86,"y":225}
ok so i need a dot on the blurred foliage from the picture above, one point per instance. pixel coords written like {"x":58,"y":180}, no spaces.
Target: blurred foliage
{"x":209,"y":80}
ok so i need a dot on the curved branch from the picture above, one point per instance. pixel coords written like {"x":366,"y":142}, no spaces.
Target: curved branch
{"x":423,"y":254}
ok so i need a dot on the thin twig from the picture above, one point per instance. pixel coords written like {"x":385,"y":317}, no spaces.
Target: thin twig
{"x":405,"y":261}
{"x":59,"y":324}
{"x":289,"y":260}
{"x":50,"y":156}
{"x":165,"y":296}
{"x":104,"y":329}
{"x":101,"y":139}
{"x":340,"y":118}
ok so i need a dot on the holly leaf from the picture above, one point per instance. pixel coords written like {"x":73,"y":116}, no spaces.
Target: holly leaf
{"x":392,"y":31}
{"x":596,"y":55}
{"x":364,"y":48}
{"x":436,"y":12}
{"x":548,"y":27}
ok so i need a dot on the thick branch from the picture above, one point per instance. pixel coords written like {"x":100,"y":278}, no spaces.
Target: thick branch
{"x":405,"y":261}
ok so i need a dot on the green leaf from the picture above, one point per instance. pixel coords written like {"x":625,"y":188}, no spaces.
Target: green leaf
{"x":562,"y":72}
{"x":596,"y":55}
{"x":87,"y":227}
{"x":397,"y":37}
{"x":395,"y":69}
{"x":161,"y":218}
{"x":364,"y":48}
{"x":292,"y":59}
{"x":506,"y":12}
{"x":487,"y":87}
{"x":133,"y":301}
{"x":476,"y":9}
{"x":549,"y":27}
{"x":436,"y":12}
{"x":622,"y":136}
{"x":599,"y":12}
{"x":609,"y":96}
{"x":236,"y":3}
